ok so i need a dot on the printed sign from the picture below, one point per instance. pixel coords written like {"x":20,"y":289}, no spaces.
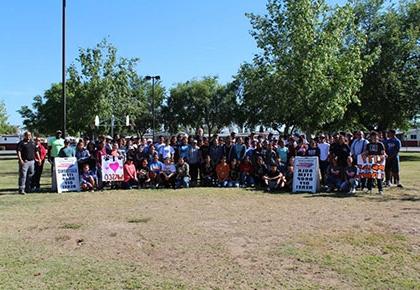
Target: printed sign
{"x":306,"y":174}
{"x":371,"y":167}
{"x":66,"y":174}
{"x":112,"y":168}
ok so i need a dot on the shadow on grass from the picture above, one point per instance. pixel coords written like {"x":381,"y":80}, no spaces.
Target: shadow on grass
{"x":403,"y":197}
{"x":410,"y":158}
{"x":333,"y":195}
{"x":14,"y":191}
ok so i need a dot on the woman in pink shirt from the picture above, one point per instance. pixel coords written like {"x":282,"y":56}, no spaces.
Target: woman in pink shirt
{"x":130,"y":174}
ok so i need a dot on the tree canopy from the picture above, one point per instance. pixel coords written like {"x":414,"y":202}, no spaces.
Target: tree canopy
{"x":5,"y":126}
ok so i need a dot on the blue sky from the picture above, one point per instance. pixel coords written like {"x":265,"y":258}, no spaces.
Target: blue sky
{"x":178,"y":40}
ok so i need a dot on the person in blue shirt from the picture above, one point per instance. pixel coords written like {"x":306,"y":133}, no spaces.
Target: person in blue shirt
{"x":155,"y":169}
{"x":184,"y":148}
{"x":392,"y":165}
{"x":67,"y":150}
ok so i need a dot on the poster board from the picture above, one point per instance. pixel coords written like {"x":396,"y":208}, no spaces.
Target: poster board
{"x":306,"y":174}
{"x":112,"y":168}
{"x":66,"y":174}
{"x":371,"y":167}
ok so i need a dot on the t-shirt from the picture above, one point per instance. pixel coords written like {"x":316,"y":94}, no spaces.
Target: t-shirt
{"x":375,"y":148}
{"x":67,"y":152}
{"x":272,"y":173}
{"x":56,"y":145}
{"x":156,"y":167}
{"x":351,"y":172}
{"x":222,"y":171}
{"x":27,"y":150}
{"x":166,"y":151}
{"x":168,"y":168}
{"x":183,"y":170}
{"x":129,"y":172}
{"x":282,"y":152}
{"x":313,"y":151}
{"x":342,"y":151}
{"x":392,"y":146}
{"x":183,"y":151}
{"x":324,"y":149}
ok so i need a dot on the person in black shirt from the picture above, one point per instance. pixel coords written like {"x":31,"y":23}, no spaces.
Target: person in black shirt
{"x":26,"y":153}
{"x":375,"y":153}
{"x":274,"y":179}
{"x":342,"y":151}
{"x":313,"y":149}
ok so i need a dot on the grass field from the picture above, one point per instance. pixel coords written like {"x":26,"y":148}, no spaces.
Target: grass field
{"x":209,"y":238}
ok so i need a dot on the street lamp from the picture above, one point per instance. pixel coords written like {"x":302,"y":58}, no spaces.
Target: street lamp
{"x":63,"y":72}
{"x":154,"y":79}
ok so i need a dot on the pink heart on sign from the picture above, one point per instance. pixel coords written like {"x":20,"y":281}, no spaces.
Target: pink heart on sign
{"x":114,"y":166}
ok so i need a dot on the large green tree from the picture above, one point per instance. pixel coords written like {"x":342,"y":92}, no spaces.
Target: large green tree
{"x":390,"y":95}
{"x":200,"y":103}
{"x":99,"y":83}
{"x":310,"y":66}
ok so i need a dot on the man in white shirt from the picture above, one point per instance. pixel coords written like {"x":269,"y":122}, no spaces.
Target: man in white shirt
{"x":359,"y":145}
{"x":324,"y":149}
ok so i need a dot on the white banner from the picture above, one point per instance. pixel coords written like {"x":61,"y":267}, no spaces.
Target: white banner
{"x":306,"y":174}
{"x":67,"y":174}
{"x":112,"y":168}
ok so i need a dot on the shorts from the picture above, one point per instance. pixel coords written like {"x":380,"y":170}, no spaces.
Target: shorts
{"x":393,"y":165}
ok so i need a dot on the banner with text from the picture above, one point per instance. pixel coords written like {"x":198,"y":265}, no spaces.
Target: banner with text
{"x":306,"y":174}
{"x":112,"y":168}
{"x":67,"y":174}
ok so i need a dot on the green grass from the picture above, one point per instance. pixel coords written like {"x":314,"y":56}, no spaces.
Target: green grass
{"x":365,"y":260}
{"x":71,"y":226}
{"x":138,"y":220}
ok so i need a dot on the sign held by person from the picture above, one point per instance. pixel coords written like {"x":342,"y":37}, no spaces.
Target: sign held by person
{"x":67,"y":174}
{"x":112,"y":168}
{"x":306,"y":174}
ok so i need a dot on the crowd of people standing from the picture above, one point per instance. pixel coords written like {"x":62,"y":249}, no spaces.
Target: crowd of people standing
{"x":255,"y":160}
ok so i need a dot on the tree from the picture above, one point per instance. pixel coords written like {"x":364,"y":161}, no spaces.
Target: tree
{"x":5,"y":127}
{"x":390,"y":95}
{"x":200,"y":102}
{"x":100,"y":83}
{"x":310,"y":67}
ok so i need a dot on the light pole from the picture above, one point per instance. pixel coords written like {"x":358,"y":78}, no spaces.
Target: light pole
{"x":154,"y":79}
{"x":63,"y":72}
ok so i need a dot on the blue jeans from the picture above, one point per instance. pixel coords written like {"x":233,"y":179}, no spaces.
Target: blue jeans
{"x":182,"y":182}
{"x":349,"y":185}
{"x":247,"y":180}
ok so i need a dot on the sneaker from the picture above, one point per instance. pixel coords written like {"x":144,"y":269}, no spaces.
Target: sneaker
{"x":22,"y":192}
{"x":353,"y":191}
{"x":369,"y":191}
{"x":400,"y":185}
{"x":380,"y":192}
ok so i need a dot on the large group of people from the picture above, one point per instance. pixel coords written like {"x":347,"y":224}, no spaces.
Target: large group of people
{"x":256,"y":160}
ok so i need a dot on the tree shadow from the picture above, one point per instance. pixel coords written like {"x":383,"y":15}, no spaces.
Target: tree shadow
{"x":410,"y":158}
{"x":333,"y":195}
